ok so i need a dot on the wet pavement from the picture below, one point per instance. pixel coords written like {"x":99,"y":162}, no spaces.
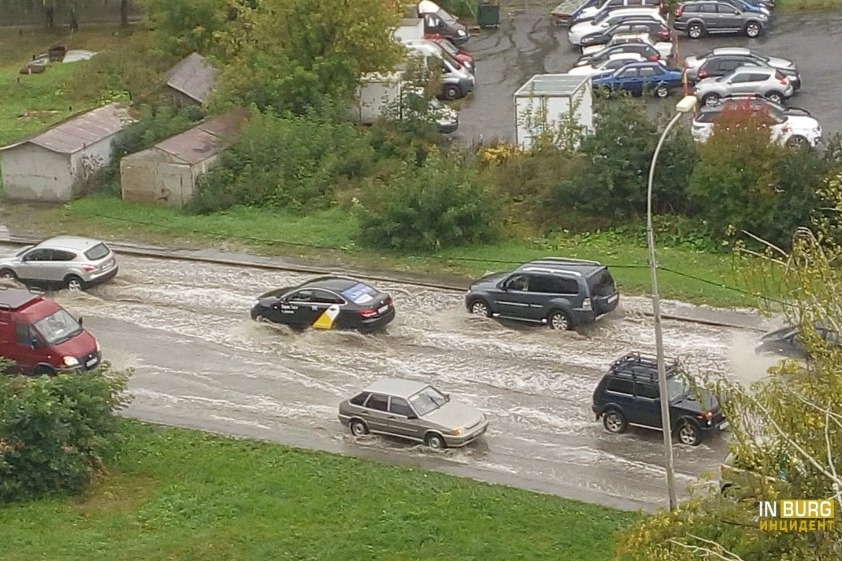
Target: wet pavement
{"x":201,"y":362}
{"x":529,"y":43}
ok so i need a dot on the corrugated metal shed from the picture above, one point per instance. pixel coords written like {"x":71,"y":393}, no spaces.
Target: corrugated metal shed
{"x":79,"y":131}
{"x":193,"y":77}
{"x":204,"y":140}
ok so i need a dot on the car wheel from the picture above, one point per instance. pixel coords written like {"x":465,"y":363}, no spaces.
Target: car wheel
{"x":662,"y":91}
{"x":435,"y":441}
{"x":775,"y":97}
{"x":753,"y":30}
{"x":796,"y":141}
{"x":42,"y":370}
{"x":560,"y":320}
{"x":695,"y":30}
{"x":614,"y":422}
{"x":710,"y":100}
{"x":8,"y":274}
{"x":689,"y":434}
{"x":451,"y":92}
{"x":72,"y":282}
{"x":480,"y":308}
{"x":358,"y":428}
{"x":728,"y":491}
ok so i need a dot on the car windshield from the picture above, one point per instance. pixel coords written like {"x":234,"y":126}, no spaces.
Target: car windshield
{"x":427,"y":400}
{"x":57,"y":327}
{"x":97,"y":252}
{"x":448,"y":47}
{"x":360,"y":293}
{"x":447,"y":18}
{"x":677,"y":386}
{"x":24,"y":250}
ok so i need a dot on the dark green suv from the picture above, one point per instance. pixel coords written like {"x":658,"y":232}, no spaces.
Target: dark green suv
{"x":628,"y":394}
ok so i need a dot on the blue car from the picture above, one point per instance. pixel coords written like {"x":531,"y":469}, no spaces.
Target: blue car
{"x":639,"y":77}
{"x":750,"y":6}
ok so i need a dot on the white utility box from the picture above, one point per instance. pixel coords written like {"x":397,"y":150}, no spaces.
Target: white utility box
{"x":548,"y":102}
{"x":410,"y":29}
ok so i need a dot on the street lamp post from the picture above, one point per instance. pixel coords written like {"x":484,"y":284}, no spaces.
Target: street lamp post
{"x":686,"y":105}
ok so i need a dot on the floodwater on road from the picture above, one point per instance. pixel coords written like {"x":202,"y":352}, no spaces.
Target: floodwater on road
{"x":201,"y":362}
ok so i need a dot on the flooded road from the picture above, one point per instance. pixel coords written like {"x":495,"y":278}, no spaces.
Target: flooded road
{"x":201,"y":362}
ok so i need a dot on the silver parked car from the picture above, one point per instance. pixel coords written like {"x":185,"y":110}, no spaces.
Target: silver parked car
{"x":64,"y":261}
{"x":767,"y":82}
{"x":413,"y":411}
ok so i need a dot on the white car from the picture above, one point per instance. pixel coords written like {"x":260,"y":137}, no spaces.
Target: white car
{"x":663,"y":47}
{"x":774,"y":62}
{"x":788,"y":126}
{"x":613,"y":62}
{"x":607,"y":19}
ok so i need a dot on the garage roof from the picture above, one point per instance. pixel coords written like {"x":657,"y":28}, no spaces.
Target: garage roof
{"x":204,"y":140}
{"x":77,"y":132}
{"x":193,"y":76}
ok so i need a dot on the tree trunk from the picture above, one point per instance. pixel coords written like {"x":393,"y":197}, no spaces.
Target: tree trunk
{"x":124,"y":13}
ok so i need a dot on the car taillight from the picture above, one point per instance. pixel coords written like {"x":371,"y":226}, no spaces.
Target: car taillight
{"x":678,"y":11}
{"x":368,"y":313}
{"x":88,"y":268}
{"x":707,"y":415}
{"x":703,"y":73}
{"x":784,"y":82}
{"x":654,"y":58}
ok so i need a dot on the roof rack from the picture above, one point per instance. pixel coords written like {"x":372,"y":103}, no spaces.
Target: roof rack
{"x":647,"y":361}
{"x":567,"y":260}
{"x":550,"y":271}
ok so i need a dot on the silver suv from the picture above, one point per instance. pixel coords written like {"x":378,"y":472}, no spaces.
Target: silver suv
{"x":64,"y":261}
{"x":709,"y":17}
{"x":770,"y":83}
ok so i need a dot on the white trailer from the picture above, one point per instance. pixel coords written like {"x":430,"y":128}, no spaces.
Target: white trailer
{"x":549,"y":103}
{"x":410,"y":29}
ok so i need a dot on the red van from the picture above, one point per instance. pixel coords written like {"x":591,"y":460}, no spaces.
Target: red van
{"x":41,"y":337}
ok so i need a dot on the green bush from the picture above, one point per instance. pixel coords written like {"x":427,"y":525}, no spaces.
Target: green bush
{"x":744,"y":182}
{"x":439,"y":204}
{"x":293,"y":163}
{"x":57,"y":433}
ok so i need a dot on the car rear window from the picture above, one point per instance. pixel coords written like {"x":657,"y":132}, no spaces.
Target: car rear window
{"x":97,"y":252}
{"x":360,"y":293}
{"x":601,"y":283}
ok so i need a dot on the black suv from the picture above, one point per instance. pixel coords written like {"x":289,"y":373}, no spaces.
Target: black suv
{"x":628,"y":395}
{"x":563,"y":293}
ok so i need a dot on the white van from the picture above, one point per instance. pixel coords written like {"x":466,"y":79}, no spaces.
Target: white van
{"x":457,"y":81}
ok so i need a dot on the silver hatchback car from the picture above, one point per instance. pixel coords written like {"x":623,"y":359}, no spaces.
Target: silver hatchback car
{"x":414,"y":411}
{"x":64,"y":261}
{"x":770,"y":83}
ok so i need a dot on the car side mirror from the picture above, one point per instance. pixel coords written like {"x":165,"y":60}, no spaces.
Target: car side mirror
{"x":412,"y":417}
{"x":80,"y":321}
{"x":447,"y":396}
{"x":35,"y":342}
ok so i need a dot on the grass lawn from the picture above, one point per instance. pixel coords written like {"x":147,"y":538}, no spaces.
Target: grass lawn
{"x":186,"y":495}
{"x":33,"y":102}
{"x":327,"y":238}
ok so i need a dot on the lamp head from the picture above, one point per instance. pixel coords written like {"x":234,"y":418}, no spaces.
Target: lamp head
{"x":687,"y":104}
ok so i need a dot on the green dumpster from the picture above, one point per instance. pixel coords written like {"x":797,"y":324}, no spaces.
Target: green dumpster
{"x":488,"y":14}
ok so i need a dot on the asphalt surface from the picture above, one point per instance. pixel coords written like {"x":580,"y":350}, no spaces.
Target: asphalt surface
{"x":200,"y":362}
{"x":529,"y":43}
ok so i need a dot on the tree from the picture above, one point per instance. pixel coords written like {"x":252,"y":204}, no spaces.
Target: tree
{"x":291,"y":55}
{"x":787,"y":430}
{"x":182,"y":27}
{"x":746,"y":182}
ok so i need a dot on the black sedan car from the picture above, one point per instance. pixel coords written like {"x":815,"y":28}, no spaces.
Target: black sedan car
{"x":326,"y":303}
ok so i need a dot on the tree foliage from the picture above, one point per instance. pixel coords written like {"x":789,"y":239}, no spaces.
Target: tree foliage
{"x":57,"y":433}
{"x":745,"y":182}
{"x":440,"y":204}
{"x":181,"y":27}
{"x":787,"y":429}
{"x":292,"y":55}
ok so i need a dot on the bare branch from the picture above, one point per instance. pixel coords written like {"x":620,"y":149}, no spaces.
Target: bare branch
{"x":764,"y":242}
{"x":708,"y":553}
{"x":836,"y":485}
{"x":761,"y":256}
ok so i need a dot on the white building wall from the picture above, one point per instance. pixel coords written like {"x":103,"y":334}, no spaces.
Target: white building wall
{"x":33,"y":173}
{"x":92,"y":158}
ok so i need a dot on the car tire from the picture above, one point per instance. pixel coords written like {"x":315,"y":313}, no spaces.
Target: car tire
{"x":796,"y":141}
{"x":559,"y":320}
{"x":695,"y":31}
{"x":614,"y":421}
{"x":44,"y":370}
{"x":775,"y":97}
{"x":753,"y":30}
{"x":73,"y":282}
{"x":358,"y":427}
{"x":662,"y":91}
{"x":480,"y":308}
{"x":8,"y":274}
{"x":435,"y":441}
{"x":710,"y":100}
{"x":729,"y":491}
{"x":689,"y":433}
{"x":451,"y":93}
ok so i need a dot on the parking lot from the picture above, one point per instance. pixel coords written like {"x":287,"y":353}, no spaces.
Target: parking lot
{"x":529,"y":43}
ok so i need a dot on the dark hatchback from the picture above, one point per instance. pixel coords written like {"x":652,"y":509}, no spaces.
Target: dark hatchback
{"x":628,"y":394}
{"x":327,"y":303}
{"x":561,"y":293}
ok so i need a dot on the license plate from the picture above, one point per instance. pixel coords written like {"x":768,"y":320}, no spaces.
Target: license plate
{"x":382,"y":309}
{"x":724,"y":425}
{"x":91,"y":362}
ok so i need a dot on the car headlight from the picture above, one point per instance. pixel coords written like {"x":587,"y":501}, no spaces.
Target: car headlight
{"x":456,"y":432}
{"x":70,"y":361}
{"x":462,"y":32}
